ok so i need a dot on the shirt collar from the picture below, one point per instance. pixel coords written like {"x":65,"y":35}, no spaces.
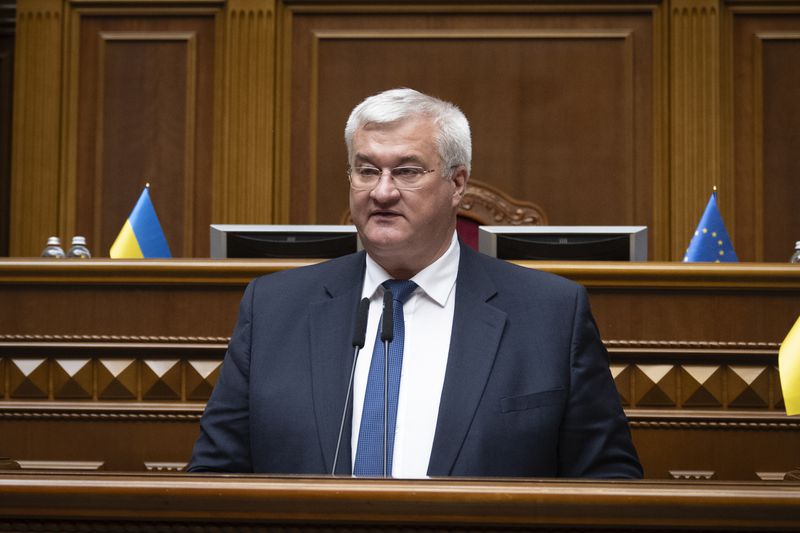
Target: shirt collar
{"x":436,"y":280}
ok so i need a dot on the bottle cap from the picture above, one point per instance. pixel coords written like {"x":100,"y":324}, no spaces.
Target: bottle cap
{"x":53,"y":241}
{"x":78,"y":239}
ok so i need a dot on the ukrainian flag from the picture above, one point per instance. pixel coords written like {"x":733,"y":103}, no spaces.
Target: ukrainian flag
{"x":141,"y":236}
{"x":789,"y":368}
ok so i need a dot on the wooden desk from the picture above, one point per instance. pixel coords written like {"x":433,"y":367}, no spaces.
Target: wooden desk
{"x":118,"y":358}
{"x":60,"y":502}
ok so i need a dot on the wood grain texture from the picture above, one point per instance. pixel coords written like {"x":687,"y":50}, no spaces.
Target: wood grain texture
{"x":554,"y":99}
{"x":765,"y":55}
{"x":166,"y":502}
{"x":7,"y":37}
{"x":34,"y":213}
{"x":145,"y":110}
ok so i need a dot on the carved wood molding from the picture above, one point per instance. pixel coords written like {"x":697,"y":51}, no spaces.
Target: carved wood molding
{"x":118,"y":339}
{"x":720,"y":425}
{"x":691,"y":345}
{"x":723,"y":420}
{"x":170,"y":339}
{"x":488,"y":205}
{"x":102,"y":411}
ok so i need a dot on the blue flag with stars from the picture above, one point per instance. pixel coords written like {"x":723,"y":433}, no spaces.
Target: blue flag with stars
{"x":710,"y":242}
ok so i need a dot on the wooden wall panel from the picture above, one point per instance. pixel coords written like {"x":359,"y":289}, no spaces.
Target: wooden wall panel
{"x":35,"y":188}
{"x":7,"y":31}
{"x":244,"y":136}
{"x":561,"y":106}
{"x":695,"y":118}
{"x":766,"y":119}
{"x":145,"y":113}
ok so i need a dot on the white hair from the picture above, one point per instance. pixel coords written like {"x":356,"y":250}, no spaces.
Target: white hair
{"x":453,"y":140}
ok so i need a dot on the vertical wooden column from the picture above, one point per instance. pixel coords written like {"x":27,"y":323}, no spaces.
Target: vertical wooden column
{"x":36,"y":126}
{"x":695,"y":119}
{"x":244,"y":132}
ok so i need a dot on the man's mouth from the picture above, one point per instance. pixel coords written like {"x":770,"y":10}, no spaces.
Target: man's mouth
{"x":384,"y":214}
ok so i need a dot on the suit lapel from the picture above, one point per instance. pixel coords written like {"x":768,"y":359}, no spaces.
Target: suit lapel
{"x":477,"y":330}
{"x":331,"y":328}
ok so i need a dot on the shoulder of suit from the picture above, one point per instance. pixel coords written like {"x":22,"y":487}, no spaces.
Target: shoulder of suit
{"x":505,"y":273}
{"x":319,"y":272}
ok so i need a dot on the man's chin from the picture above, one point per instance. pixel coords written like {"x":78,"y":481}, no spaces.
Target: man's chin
{"x":383,"y":239}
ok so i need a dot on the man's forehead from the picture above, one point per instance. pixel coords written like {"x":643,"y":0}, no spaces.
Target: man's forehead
{"x":395,"y":124}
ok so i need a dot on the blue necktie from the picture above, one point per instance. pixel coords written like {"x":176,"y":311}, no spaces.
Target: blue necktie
{"x":369,"y":454}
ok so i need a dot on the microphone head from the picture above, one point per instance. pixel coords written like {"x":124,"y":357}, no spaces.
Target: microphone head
{"x":360,"y":329}
{"x":387,"y":331}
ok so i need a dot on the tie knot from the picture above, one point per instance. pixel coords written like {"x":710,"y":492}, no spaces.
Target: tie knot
{"x":401,"y":289}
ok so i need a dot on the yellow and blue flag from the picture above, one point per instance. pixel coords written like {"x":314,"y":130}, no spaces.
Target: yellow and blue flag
{"x":789,"y":369}
{"x":141,"y":236}
{"x":710,"y":242}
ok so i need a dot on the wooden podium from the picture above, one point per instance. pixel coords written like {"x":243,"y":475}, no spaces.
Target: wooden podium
{"x":217,"y":503}
{"x":107,"y":365}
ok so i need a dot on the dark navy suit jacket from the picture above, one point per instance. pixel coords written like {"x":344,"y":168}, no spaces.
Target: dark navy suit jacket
{"x":527,"y":391}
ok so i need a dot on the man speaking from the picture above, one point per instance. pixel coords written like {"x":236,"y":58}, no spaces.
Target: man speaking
{"x":471,"y":366}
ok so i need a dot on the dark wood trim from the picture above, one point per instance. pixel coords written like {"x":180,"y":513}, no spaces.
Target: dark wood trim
{"x":677,"y":276}
{"x":168,"y":502}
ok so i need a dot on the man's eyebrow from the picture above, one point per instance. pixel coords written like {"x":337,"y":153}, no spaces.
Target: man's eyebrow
{"x":362,"y":158}
{"x":409,"y":159}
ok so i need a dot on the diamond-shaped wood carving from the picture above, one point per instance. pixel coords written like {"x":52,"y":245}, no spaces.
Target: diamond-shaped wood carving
{"x":622,"y":378}
{"x":701,"y":386}
{"x":28,"y":378}
{"x":777,"y":396}
{"x":161,"y":380}
{"x":72,"y":379}
{"x":655,"y":386}
{"x":748,"y":386}
{"x":201,"y":376}
{"x":116,"y":379}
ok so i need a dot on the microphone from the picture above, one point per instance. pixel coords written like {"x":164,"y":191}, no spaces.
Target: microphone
{"x":359,"y":337}
{"x":387,"y":334}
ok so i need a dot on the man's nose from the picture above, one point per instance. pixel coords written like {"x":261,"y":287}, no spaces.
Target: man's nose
{"x":385,"y":188}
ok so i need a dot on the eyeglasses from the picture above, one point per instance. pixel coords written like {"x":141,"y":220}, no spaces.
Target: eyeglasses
{"x":406,"y":178}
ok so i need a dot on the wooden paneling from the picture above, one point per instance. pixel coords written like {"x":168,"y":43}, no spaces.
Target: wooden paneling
{"x":244,"y":137}
{"x":168,"y":92}
{"x":145,"y":109}
{"x":7,"y":31}
{"x":557,"y":102}
{"x":131,"y":350}
{"x":766,"y":59}
{"x":695,"y":113}
{"x":38,"y":90}
{"x":166,"y":503}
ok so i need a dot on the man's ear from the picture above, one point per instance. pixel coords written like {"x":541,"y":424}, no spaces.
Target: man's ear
{"x":460,"y":178}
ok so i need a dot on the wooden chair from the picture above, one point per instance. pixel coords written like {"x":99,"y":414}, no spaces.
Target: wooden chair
{"x":484,"y":205}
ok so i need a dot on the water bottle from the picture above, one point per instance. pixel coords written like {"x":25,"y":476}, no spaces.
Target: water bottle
{"x":78,"y":248}
{"x":796,"y":255}
{"x":53,"y":249}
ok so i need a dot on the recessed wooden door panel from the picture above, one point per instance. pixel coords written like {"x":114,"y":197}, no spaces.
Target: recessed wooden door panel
{"x":766,"y":68}
{"x":145,"y":111}
{"x":560,"y":106}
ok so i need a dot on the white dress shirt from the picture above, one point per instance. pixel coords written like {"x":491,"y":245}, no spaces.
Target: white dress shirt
{"x":428,"y":317}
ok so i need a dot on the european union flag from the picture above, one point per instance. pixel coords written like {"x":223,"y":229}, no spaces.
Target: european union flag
{"x":710,"y":242}
{"x":141,"y":236}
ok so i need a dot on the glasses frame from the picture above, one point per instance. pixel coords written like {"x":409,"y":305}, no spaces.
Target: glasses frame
{"x":397,"y":185}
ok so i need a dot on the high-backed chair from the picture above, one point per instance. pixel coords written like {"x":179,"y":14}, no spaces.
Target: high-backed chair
{"x":484,"y":205}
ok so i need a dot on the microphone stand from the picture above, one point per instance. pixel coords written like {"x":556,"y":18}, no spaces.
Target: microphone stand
{"x":359,"y":337}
